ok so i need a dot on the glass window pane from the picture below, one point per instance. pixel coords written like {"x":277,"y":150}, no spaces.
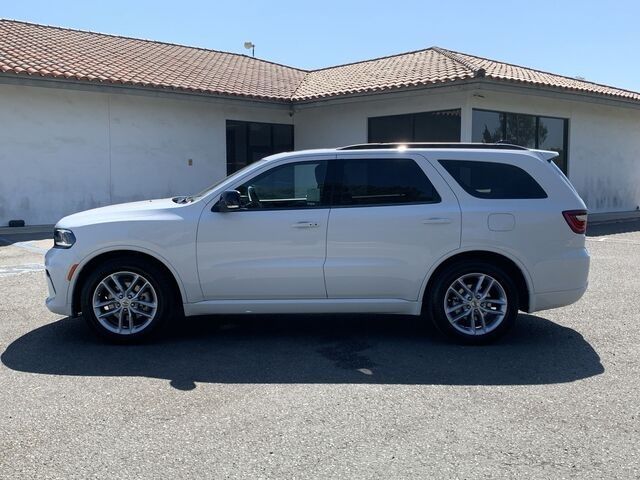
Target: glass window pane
{"x":487,"y":127}
{"x":248,"y":142}
{"x":282,"y":138}
{"x":526,"y":131}
{"x":443,"y":126}
{"x":511,"y":128}
{"x":291,"y":186}
{"x":236,"y":146}
{"x":259,"y":141}
{"x":384,"y":182}
{"x":493,"y":180}
{"x":396,"y":128}
{"x":551,"y":136}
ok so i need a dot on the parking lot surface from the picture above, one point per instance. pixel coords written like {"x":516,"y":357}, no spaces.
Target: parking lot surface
{"x":324,"y":397}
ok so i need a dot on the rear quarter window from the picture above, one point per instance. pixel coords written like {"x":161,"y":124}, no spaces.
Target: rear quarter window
{"x":493,"y":180}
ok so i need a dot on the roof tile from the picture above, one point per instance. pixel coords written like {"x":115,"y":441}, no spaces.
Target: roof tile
{"x":53,"y":52}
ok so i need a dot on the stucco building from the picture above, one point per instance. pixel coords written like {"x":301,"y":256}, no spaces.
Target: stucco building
{"x":90,"y":119}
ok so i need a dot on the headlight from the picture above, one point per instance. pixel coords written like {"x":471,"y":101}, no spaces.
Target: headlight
{"x":63,"y":238}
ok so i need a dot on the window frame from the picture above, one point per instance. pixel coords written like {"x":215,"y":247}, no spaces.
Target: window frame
{"x":275,"y":167}
{"x":475,"y":195}
{"x":565,"y":135}
{"x":334,"y":171}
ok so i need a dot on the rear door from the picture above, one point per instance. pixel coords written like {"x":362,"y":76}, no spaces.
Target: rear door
{"x":392,"y":218}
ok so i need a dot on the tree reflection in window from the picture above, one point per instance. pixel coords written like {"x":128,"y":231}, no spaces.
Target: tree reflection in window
{"x":529,"y":131}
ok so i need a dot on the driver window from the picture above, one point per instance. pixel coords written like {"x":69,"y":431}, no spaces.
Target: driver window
{"x":291,"y":186}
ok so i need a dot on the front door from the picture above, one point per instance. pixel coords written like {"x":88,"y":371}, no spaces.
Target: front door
{"x":392,"y":219}
{"x":273,"y":247}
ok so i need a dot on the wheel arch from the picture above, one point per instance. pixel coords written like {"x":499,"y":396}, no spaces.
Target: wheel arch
{"x":90,"y":263}
{"x":513,"y":266}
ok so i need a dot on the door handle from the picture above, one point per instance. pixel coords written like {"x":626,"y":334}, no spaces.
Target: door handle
{"x":305,"y":225}
{"x":436,"y":221}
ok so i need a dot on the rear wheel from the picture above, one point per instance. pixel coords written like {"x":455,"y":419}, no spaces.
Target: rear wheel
{"x":473,"y":302}
{"x":127,"y":299}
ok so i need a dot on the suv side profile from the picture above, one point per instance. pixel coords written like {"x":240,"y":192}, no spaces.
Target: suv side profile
{"x":464,"y":234}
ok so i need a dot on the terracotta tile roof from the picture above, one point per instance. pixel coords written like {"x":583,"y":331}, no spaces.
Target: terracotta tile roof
{"x":516,"y":73}
{"x":431,"y":66}
{"x":38,"y":50}
{"x":414,"y":69}
{"x":28,"y":49}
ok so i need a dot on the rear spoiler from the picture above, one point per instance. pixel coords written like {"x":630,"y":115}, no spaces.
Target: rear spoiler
{"x":547,"y":155}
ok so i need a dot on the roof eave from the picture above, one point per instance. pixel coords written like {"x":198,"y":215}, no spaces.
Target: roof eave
{"x":122,"y":87}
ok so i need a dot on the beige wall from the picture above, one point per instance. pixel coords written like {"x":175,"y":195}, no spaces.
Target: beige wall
{"x":63,"y":151}
{"x":604,"y":141}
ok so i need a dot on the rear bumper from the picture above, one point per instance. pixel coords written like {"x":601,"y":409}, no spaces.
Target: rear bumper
{"x":560,"y":281}
{"x":545,"y":301}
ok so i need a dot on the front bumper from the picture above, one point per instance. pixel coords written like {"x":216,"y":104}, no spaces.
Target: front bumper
{"x":57,"y":263}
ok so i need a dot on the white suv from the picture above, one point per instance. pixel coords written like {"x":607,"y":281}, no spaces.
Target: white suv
{"x":465,"y":234}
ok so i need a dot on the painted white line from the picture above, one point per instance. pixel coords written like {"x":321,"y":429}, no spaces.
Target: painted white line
{"x":8,"y":271}
{"x":614,"y":240}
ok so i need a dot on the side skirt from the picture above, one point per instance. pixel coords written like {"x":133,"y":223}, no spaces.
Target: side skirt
{"x":342,"y":305}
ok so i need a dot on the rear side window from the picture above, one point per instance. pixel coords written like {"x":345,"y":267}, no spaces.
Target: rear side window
{"x":394,"y":181}
{"x":493,"y":180}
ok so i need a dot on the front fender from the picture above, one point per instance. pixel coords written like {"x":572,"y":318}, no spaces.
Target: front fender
{"x":187,"y":294}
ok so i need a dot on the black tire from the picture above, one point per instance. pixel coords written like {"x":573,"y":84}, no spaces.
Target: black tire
{"x":436,"y":299}
{"x":167,"y":298}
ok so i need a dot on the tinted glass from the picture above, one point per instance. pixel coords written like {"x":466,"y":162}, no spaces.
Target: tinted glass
{"x":382,"y":182}
{"x":440,"y":126}
{"x":493,"y":180}
{"x":437,"y":126}
{"x":488,"y":127}
{"x":236,"y":146}
{"x":521,"y":129}
{"x":396,"y":128}
{"x":248,"y":142}
{"x":291,"y":186}
{"x":551,"y":136}
{"x":529,"y":131}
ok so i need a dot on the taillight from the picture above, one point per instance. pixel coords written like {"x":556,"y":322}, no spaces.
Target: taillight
{"x":577,"y":220}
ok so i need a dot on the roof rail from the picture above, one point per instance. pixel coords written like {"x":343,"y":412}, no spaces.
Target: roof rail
{"x":435,"y":145}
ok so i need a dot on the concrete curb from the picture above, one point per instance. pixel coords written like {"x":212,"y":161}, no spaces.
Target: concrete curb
{"x":613,"y":217}
{"x":27,"y":229}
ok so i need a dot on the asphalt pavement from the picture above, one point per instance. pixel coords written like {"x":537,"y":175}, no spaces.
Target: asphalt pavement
{"x":324,"y":396}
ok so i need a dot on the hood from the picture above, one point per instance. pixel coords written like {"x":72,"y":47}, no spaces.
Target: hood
{"x":143,"y":210}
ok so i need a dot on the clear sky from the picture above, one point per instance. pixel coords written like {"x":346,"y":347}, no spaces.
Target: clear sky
{"x":598,"y":40}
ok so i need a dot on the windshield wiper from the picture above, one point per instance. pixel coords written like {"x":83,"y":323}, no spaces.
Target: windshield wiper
{"x":183,"y":199}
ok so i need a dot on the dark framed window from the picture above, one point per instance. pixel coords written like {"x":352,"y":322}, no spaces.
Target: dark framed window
{"x":292,"y":186}
{"x":531,"y":131}
{"x":493,"y":180}
{"x":248,"y":142}
{"x":440,"y":126}
{"x":371,"y":182}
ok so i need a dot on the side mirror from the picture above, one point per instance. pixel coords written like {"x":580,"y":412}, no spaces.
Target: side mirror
{"x":229,"y":200}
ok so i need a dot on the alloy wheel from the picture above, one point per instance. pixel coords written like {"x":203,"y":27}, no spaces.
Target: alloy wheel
{"x":475,"y":304}
{"x":125,"y":303}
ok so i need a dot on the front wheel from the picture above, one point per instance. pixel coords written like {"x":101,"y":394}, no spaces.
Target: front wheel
{"x":474,"y":302}
{"x":126,"y":299}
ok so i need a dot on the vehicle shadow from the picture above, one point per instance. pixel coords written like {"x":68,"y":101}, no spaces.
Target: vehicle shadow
{"x":311,"y":349}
